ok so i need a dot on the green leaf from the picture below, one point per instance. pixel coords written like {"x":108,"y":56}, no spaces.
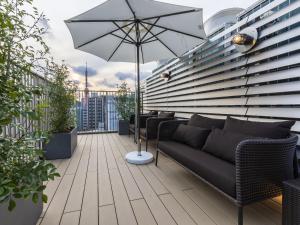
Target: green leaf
{"x":17,"y":195}
{"x":2,"y":191}
{"x":41,"y":188}
{"x":11,"y":205}
{"x":35,"y":198}
{"x":45,"y":198}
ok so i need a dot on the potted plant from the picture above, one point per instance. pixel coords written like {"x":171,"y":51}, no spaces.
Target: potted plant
{"x":63,"y":140}
{"x":125,"y":107}
{"x":23,"y":171}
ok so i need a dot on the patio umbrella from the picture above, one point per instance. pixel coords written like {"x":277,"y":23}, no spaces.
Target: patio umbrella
{"x":138,"y":31}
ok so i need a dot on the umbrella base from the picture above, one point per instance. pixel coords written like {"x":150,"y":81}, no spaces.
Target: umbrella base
{"x":134,"y":158}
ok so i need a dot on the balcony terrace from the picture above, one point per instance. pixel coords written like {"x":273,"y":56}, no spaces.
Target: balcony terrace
{"x":217,"y":81}
{"x":98,"y":186}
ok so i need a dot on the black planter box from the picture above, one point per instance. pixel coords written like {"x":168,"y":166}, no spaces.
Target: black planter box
{"x":25,"y":213}
{"x":123,"y":127}
{"x":61,"y":145}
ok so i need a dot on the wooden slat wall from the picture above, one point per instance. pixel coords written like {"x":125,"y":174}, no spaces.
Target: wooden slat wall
{"x":216,"y":80}
{"x":30,"y":80}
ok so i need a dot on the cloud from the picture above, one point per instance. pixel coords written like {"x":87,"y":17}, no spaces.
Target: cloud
{"x":81,"y":70}
{"x":130,"y":76}
{"x":77,"y":82}
{"x":145,"y":74}
{"x":125,"y":76}
{"x":107,"y":83}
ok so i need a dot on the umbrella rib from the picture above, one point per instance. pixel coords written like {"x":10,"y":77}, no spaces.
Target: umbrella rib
{"x":97,"y":21}
{"x":176,"y":31}
{"x":160,"y":41}
{"x":126,"y":40}
{"x":121,"y":28}
{"x":120,"y":43}
{"x":148,"y":39}
{"x":103,"y":35}
{"x":172,"y":14}
{"x":129,"y":6}
{"x":150,"y":29}
{"x":142,"y":53}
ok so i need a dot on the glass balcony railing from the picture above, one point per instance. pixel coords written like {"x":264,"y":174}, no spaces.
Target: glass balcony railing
{"x":97,"y":111}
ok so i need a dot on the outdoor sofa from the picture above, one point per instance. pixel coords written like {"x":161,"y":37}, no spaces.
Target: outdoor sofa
{"x":245,"y":161}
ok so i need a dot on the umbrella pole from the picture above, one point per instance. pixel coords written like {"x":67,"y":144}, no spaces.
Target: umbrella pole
{"x":138,"y":98}
{"x":139,"y":156}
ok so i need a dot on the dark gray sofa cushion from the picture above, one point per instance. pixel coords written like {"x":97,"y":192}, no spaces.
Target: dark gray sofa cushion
{"x":216,"y":171}
{"x":166,"y":114}
{"x":152,"y":113}
{"x":275,"y":130}
{"x":191,"y":135}
{"x":222,"y":144}
{"x":205,"y":122}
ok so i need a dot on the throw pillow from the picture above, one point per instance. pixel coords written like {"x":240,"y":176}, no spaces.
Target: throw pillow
{"x":222,"y":144}
{"x":205,"y":122}
{"x":275,"y":130}
{"x":190,"y":135}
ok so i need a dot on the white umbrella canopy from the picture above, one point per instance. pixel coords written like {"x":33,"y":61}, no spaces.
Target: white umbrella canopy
{"x":110,"y":32}
{"x":138,"y":31}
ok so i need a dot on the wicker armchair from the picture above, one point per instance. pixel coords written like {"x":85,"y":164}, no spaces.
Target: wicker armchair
{"x":151,"y":129}
{"x":143,"y":119}
{"x":261,"y":166}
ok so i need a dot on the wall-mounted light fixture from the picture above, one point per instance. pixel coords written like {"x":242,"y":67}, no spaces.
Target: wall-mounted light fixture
{"x":245,"y":39}
{"x":166,"y":75}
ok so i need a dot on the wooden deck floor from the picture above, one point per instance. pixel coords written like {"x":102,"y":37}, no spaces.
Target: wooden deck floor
{"x":98,"y":187}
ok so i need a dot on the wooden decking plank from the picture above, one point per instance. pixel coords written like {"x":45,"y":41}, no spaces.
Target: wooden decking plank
{"x":111,"y":163}
{"x":124,"y":211}
{"x":178,"y":213}
{"x":104,"y":187}
{"x":50,"y":191}
{"x":107,"y":215}
{"x":191,"y":207}
{"x":71,"y":218}
{"x":158,"y":210}
{"x":89,"y":212}
{"x":123,"y":208}
{"x":157,"y":186}
{"x":93,"y":161}
{"x":153,"y":181}
{"x":76,"y":156}
{"x":76,"y":195}
{"x":56,"y":208}
{"x":129,"y":183}
{"x":198,"y":215}
{"x":142,"y":212}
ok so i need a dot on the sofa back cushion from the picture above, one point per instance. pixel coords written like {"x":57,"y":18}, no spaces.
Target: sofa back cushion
{"x":205,"y":122}
{"x":152,"y":113}
{"x":166,"y":114}
{"x":222,"y":144}
{"x":274,"y":130}
{"x":191,"y":135}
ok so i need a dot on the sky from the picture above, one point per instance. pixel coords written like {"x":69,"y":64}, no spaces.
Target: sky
{"x":105,"y":75}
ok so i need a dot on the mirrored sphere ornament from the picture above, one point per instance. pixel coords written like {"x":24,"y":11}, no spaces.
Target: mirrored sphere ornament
{"x":245,"y":39}
{"x":166,"y":75}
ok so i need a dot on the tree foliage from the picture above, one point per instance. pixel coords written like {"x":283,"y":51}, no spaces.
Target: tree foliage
{"x":125,"y":101}
{"x":61,"y":99}
{"x":22,"y":50}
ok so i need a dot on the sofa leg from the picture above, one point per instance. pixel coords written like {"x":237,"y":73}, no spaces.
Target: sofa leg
{"x":156,"y":158}
{"x":240,"y":215}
